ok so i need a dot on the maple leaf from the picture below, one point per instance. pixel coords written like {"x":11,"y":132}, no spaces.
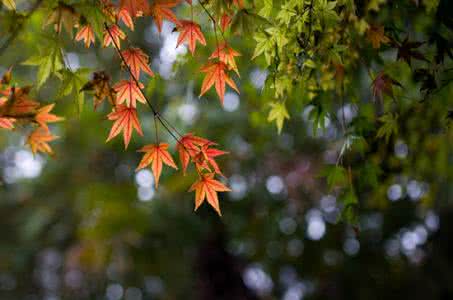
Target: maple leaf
{"x":207,"y":188}
{"x":21,"y":102}
{"x":102,"y":89}
{"x":134,"y":7}
{"x":225,"y":21}
{"x":86,"y":34}
{"x":160,"y":10}
{"x":128,"y":91}
{"x":205,"y":158}
{"x":375,"y":35}
{"x":62,"y":16}
{"x":125,"y":120}
{"x":190,"y":32}
{"x":7,"y":123}
{"x":406,"y":51}
{"x":226,"y":54}
{"x":43,"y":116}
{"x":156,"y":155}
{"x":38,"y":140}
{"x":188,"y":146}
{"x":116,"y":33}
{"x":137,"y":61}
{"x":215,"y":75}
{"x":124,"y":15}
{"x":382,"y":84}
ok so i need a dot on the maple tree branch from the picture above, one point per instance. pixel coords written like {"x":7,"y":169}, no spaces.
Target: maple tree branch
{"x":155,"y":112}
{"x":14,"y":34}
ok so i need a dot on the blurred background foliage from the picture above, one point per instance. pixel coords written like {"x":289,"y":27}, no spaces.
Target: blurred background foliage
{"x":85,"y":225}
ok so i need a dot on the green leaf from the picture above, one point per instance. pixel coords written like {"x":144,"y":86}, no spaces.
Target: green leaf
{"x":278,"y":113}
{"x":335,"y":176}
{"x":267,"y":9}
{"x":72,"y":83}
{"x":389,"y":126}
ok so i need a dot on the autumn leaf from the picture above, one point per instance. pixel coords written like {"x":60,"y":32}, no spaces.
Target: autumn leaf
{"x":225,"y":21}
{"x":38,"y":141}
{"x":137,"y":61}
{"x":161,"y":9}
{"x":124,"y":16}
{"x":406,"y":51}
{"x":188,"y":146}
{"x":375,"y":35}
{"x":127,"y":91}
{"x":7,"y":123}
{"x":125,"y":120}
{"x":205,"y":158}
{"x":156,"y":155}
{"x":100,"y":84}
{"x":215,"y":75}
{"x":190,"y":32}
{"x":62,"y":16}
{"x":383,"y":85}
{"x":207,"y":188}
{"x":21,"y":103}
{"x":116,"y":33}
{"x":134,"y":7}
{"x":226,"y":54}
{"x":43,"y":116}
{"x":10,"y":4}
{"x":86,"y":34}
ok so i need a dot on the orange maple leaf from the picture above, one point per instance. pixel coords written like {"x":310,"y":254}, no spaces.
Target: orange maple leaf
{"x":38,"y":140}
{"x":134,"y":7}
{"x":225,"y":21}
{"x":21,"y":102}
{"x":137,"y":61}
{"x":116,"y":33}
{"x":86,"y":34}
{"x":128,"y":91}
{"x":124,"y":15}
{"x":156,"y":155}
{"x":190,"y":32}
{"x":125,"y":120}
{"x":376,"y":36}
{"x":188,"y":146}
{"x":7,"y":123}
{"x":206,"y":158}
{"x":160,"y":10}
{"x":226,"y":54}
{"x":215,"y":75}
{"x":207,"y":188}
{"x":43,"y":116}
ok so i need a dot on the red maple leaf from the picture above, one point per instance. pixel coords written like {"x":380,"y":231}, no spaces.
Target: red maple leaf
{"x":137,"y":61}
{"x":205,"y":158}
{"x":160,"y":10}
{"x":125,"y":120}
{"x":134,"y":7}
{"x":124,"y":15}
{"x":225,"y":21}
{"x":86,"y":34}
{"x":226,"y":54}
{"x":128,"y":91}
{"x":116,"y":33}
{"x":43,"y":116}
{"x":38,"y":140}
{"x":207,"y":188}
{"x":190,"y":32}
{"x":188,"y":146}
{"x":216,"y":75}
{"x":156,"y":155}
{"x":7,"y":123}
